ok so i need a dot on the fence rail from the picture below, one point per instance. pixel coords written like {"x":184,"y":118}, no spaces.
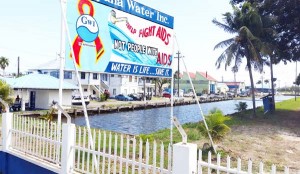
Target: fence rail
{"x":219,"y":167}
{"x":118,"y":154}
{"x":36,"y":137}
{"x":112,"y":153}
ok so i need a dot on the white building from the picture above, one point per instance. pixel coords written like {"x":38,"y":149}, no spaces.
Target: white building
{"x":38,"y":91}
{"x":94,"y":83}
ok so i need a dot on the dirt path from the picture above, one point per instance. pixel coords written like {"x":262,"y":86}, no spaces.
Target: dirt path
{"x":273,"y":141}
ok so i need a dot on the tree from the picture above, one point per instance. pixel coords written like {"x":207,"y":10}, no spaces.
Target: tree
{"x":4,"y":62}
{"x":242,"y":22}
{"x":216,"y":125}
{"x":5,"y":92}
{"x":284,"y":45}
{"x":160,"y":83}
{"x":298,"y":80}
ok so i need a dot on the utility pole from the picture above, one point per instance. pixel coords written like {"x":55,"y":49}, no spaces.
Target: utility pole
{"x":178,"y":57}
{"x":18,"y":73}
{"x":295,"y":83}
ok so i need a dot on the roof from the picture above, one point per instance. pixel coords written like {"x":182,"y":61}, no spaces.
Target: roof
{"x":192,"y":75}
{"x":207,"y":76}
{"x":39,"y":81}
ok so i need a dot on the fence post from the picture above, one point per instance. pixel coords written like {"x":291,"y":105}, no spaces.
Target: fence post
{"x":6,"y":127}
{"x":184,"y":158}
{"x":67,"y":154}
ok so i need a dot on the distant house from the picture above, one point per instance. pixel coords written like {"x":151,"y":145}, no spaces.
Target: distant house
{"x":94,"y":83}
{"x":202,"y":82}
{"x":222,"y":88}
{"x":240,"y":86}
{"x":40,"y":90}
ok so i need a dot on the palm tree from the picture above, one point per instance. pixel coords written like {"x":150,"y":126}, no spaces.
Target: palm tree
{"x":242,"y":22}
{"x":4,"y":62}
{"x":216,"y":122}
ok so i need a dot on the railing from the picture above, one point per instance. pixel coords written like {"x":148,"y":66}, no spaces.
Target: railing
{"x":226,"y":166}
{"x":36,"y":137}
{"x":113,"y":153}
{"x":104,"y":85}
{"x":117,"y":153}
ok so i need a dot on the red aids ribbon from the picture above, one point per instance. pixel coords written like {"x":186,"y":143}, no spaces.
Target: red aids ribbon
{"x":78,"y":41}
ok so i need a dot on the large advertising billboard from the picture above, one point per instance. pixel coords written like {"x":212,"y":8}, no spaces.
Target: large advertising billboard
{"x":119,"y":36}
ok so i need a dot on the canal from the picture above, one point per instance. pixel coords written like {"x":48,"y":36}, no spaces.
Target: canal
{"x":151,"y":120}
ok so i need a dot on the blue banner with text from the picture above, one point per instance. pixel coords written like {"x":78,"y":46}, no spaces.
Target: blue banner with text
{"x":124,"y":68}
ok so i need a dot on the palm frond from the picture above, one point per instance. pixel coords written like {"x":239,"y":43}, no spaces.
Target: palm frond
{"x":224,"y":43}
{"x":225,"y":27}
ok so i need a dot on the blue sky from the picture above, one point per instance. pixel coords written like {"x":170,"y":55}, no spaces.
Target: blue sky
{"x":31,"y":29}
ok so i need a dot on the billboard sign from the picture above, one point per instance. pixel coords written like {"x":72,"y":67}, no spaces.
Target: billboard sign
{"x":119,"y":36}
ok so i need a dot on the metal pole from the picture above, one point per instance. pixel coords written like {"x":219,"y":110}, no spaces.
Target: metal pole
{"x":61,"y":72}
{"x":18,"y":74}
{"x":295,"y":83}
{"x":178,"y":54}
{"x":144,"y":89}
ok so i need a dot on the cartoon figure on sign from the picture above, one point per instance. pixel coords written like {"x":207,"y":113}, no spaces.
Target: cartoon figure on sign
{"x":113,"y":18}
{"x":87,"y":30}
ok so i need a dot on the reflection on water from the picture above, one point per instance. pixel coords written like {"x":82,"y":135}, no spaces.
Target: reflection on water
{"x":151,"y":120}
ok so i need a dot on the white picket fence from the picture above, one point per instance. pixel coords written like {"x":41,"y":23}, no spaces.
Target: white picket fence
{"x":112,"y":153}
{"x":117,"y":153}
{"x":36,"y":137}
{"x":219,"y":166}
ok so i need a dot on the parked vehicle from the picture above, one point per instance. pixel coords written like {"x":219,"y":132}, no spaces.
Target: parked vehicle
{"x":190,"y":94}
{"x":219,"y":96}
{"x":148,"y":96}
{"x":76,"y":100}
{"x":243,"y":94}
{"x":167,"y":95}
{"x":16,"y":106}
{"x":203,"y":97}
{"x":123,"y":97}
{"x":136,"y":97}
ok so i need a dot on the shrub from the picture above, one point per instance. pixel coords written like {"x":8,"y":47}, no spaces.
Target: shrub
{"x":216,"y":125}
{"x":242,"y":106}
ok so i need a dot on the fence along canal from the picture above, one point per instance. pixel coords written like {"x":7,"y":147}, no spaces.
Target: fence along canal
{"x":35,"y":140}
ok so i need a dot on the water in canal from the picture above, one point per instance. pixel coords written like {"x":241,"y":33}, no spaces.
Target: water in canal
{"x":151,"y":120}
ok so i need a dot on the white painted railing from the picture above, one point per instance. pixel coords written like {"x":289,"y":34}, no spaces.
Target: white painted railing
{"x":225,"y":166}
{"x":36,"y":137}
{"x":117,"y":153}
{"x":114,"y":153}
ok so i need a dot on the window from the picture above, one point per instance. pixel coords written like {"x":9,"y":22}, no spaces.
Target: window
{"x":130,"y":78}
{"x":67,"y":75}
{"x":85,"y":89}
{"x":95,"y":76}
{"x":135,"y":79}
{"x":112,"y":75}
{"x":82,"y":75}
{"x":104,"y":77}
{"x":54,"y":74}
{"x":119,"y":76}
{"x":114,"y":92}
